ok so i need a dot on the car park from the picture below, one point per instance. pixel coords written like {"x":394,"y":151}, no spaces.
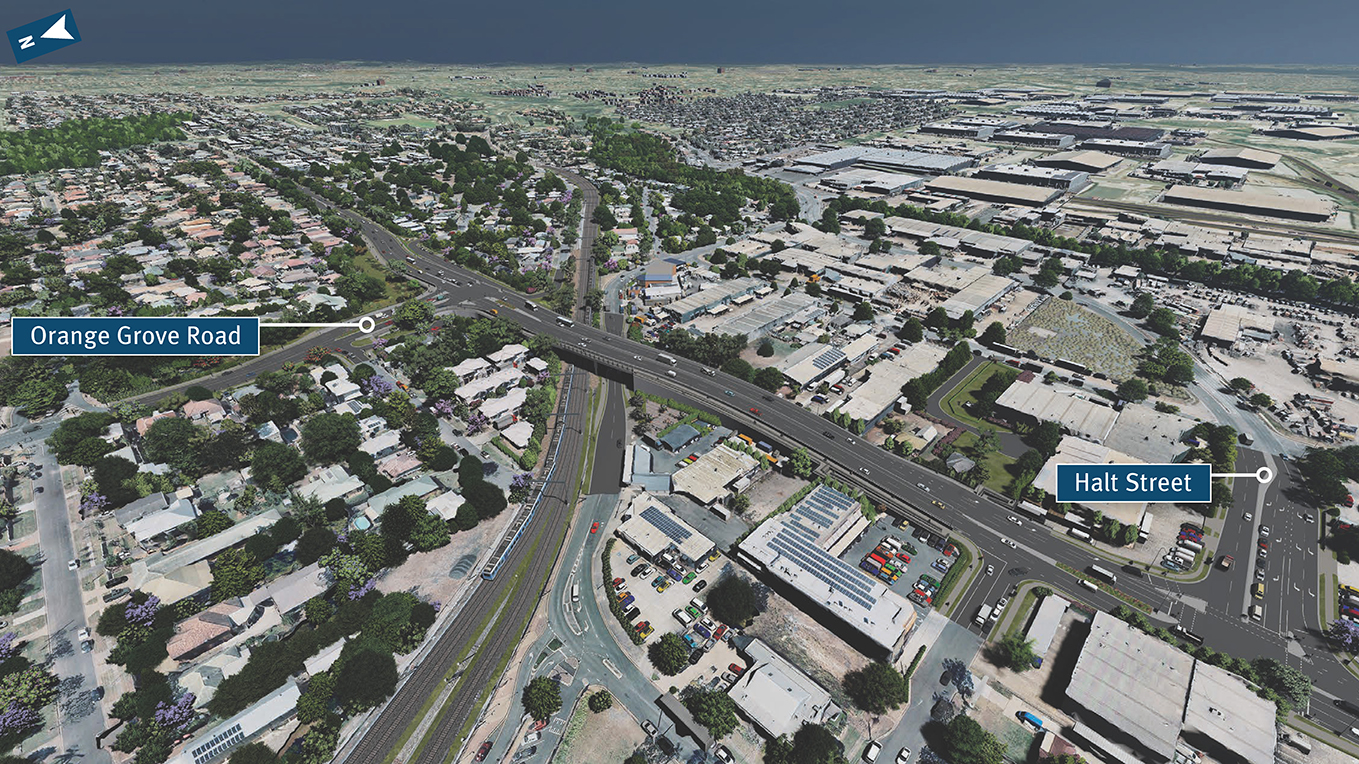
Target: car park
{"x":640,"y":570}
{"x":631,"y":613}
{"x":689,"y":577}
{"x":693,"y":612}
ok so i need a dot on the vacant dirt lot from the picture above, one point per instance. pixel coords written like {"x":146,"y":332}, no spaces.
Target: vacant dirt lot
{"x":1063,"y":329}
{"x":609,"y":736}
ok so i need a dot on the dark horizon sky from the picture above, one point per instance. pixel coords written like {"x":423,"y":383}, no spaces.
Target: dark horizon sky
{"x":851,"y":32}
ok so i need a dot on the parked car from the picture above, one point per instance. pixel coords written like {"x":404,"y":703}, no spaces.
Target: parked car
{"x":700,"y":585}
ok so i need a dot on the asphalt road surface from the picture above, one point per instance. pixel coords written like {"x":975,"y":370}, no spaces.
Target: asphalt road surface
{"x":1036,"y":553}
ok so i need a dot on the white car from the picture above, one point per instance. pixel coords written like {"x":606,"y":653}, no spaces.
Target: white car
{"x":903,"y":756}
{"x":533,"y":737}
{"x":1011,"y":544}
{"x":864,"y":470}
{"x":1248,"y":516}
{"x":723,"y":755}
{"x":72,"y":564}
{"x":871,"y":752}
{"x":990,"y":570}
{"x":83,"y":635}
{"x":1015,"y":520}
{"x":1264,"y":531}
{"x":923,"y":487}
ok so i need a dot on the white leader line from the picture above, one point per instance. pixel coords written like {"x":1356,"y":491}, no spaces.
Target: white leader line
{"x":1264,"y":475}
{"x":365,"y":325}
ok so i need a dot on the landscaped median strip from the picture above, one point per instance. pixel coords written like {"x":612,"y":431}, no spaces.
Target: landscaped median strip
{"x":1106,"y":588}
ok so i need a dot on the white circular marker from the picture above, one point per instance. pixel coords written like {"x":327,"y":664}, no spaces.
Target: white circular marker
{"x":367,"y":324}
{"x":1264,"y":475}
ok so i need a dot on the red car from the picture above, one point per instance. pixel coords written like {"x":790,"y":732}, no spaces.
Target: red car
{"x":736,"y":669}
{"x":594,"y":528}
{"x":717,"y":635}
{"x":754,"y":411}
{"x":482,"y":751}
{"x":641,"y":626}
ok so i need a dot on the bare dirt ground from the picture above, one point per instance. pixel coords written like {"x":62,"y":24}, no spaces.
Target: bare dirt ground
{"x":807,"y":644}
{"x":608,"y":736}
{"x":768,"y":494}
{"x":442,"y":574}
{"x":1009,"y":692}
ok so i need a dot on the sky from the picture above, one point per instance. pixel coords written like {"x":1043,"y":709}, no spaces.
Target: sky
{"x":732,"y":32}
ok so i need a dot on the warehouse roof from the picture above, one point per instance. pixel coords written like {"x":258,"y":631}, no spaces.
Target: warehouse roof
{"x":1073,"y":450}
{"x":707,"y":479}
{"x":1248,"y":201}
{"x":1077,"y":415}
{"x":794,"y":546}
{"x":1134,"y":681}
{"x":653,"y":528}
{"x":1086,"y":160}
{"x":1225,"y":322}
{"x":1241,"y":155}
{"x":777,"y":696}
{"x":978,"y":295}
{"x":1045,"y":623}
{"x":1222,"y":708}
{"x":995,"y":190}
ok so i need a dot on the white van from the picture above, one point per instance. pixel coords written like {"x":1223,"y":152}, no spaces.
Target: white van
{"x":1089,"y":585}
{"x":575,"y":592}
{"x":1257,"y":612}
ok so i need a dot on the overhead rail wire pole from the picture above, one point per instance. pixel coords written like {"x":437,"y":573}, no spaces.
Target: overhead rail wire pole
{"x":520,"y":523}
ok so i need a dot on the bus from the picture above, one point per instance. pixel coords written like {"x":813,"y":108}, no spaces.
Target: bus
{"x":1032,"y":510}
{"x":1104,"y":574}
{"x":667,"y":359}
{"x":1079,"y":368}
{"x":564,"y":321}
{"x":1080,"y":534}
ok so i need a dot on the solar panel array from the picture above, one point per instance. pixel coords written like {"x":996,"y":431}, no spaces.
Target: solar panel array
{"x":796,"y":540}
{"x":666,"y":524}
{"x":823,"y":506}
{"x":829,"y":358}
{"x":832,"y":571}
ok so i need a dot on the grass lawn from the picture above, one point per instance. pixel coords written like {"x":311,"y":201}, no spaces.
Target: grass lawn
{"x":1000,"y":465}
{"x":964,"y":394}
{"x":393,"y":292}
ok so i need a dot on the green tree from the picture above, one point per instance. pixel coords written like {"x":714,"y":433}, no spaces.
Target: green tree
{"x":766,"y":349}
{"x":1164,"y":322}
{"x":1261,"y":400}
{"x":1142,"y":305}
{"x":1133,"y":390}
{"x":912,"y":330}
{"x":966,"y":742}
{"x":716,"y":711}
{"x":315,"y":702}
{"x":738,"y":368}
{"x":733,"y":600}
{"x":1046,"y":437}
{"x":768,"y":378}
{"x":276,"y":466}
{"x":863,"y":312}
{"x":415,"y":315}
{"x":314,"y":544}
{"x":1015,"y":652}
{"x":176,"y":442}
{"x":1241,"y":385}
{"x":542,"y":698}
{"x":253,"y":753}
{"x":235,"y":573}
{"x":994,"y":334}
{"x":937,"y":319}
{"x":366,"y":679}
{"x":800,"y":461}
{"x":877,"y":687}
{"x":601,"y":701}
{"x":211,"y":523}
{"x":328,"y":437}
{"x":669,"y":655}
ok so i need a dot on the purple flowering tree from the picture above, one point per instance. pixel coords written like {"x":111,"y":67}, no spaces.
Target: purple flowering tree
{"x":142,"y":614}
{"x":376,"y":385}
{"x":358,"y":591}
{"x":17,"y":718}
{"x":176,"y":716}
{"x":519,"y":486}
{"x":9,"y":645}
{"x":380,"y":342}
{"x":477,"y":422}
{"x":443,"y":407}
{"x":1346,"y":635}
{"x":93,"y":504}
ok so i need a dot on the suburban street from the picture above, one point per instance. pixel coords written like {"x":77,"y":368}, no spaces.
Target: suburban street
{"x":1215,"y":607}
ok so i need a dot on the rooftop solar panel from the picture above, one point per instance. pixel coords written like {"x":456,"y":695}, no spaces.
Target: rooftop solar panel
{"x":666,"y":525}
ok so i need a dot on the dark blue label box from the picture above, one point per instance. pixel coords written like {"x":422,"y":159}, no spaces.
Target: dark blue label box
{"x":49,"y":336}
{"x":1134,"y":483}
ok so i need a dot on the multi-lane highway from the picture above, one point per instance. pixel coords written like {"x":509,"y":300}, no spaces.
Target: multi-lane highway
{"x":1216,"y":608}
